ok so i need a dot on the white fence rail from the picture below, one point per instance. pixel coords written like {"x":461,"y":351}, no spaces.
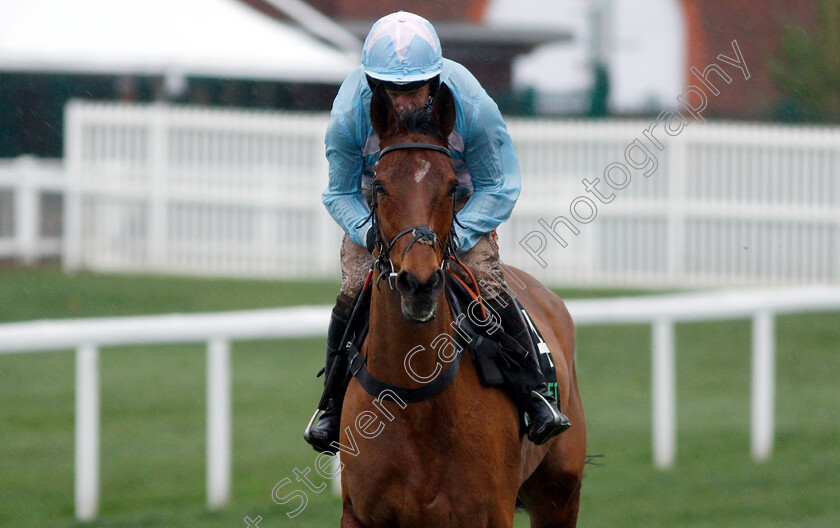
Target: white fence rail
{"x":662,"y":312}
{"x":233,"y":193}
{"x":218,"y":330}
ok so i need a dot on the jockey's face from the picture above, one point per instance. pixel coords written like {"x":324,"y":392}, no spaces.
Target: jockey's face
{"x":409,"y":100}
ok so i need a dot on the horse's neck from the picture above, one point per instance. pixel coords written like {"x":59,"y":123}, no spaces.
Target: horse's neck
{"x":391,"y":338}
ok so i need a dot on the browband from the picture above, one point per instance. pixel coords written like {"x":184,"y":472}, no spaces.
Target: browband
{"x":427,"y":146}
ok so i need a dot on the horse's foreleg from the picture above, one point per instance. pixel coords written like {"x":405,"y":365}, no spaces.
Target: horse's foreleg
{"x":553,"y":502}
{"x":502,"y":515}
{"x":348,"y":519}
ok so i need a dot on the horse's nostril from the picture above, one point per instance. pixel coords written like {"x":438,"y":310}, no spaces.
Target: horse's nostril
{"x":435,"y":283}
{"x":407,"y":283}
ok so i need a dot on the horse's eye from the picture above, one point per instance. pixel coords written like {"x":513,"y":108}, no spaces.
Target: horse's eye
{"x":378,"y":188}
{"x":453,"y":189}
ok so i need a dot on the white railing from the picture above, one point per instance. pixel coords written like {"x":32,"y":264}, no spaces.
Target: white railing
{"x":219,"y":329}
{"x":662,"y":312}
{"x":24,"y":182}
{"x":181,"y":190}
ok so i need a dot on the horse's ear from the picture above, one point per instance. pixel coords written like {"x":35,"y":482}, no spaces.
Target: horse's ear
{"x":443,"y":110}
{"x":383,"y":117}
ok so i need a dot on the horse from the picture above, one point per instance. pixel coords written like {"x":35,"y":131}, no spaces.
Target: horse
{"x":456,"y":458}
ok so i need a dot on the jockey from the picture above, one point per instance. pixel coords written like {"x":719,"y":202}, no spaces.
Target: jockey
{"x":403,"y":53}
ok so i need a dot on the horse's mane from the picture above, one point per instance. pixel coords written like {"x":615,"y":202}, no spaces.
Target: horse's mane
{"x":419,"y":121}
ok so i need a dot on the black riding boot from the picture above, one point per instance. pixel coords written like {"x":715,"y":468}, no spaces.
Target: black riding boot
{"x":545,"y":419}
{"x":325,"y":432}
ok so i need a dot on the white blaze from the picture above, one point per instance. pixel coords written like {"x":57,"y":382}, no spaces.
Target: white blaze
{"x":421,"y":173}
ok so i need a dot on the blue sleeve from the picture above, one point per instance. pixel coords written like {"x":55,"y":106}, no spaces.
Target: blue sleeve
{"x":343,"y":196}
{"x":496,"y":178}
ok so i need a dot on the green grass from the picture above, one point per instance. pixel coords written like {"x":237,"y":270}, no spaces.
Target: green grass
{"x":153,"y":417}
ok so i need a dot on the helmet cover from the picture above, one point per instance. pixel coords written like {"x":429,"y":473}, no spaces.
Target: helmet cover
{"x":402,"y":48}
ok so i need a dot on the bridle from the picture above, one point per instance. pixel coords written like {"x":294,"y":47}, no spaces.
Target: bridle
{"x":422,"y":233}
{"x":384,"y":265}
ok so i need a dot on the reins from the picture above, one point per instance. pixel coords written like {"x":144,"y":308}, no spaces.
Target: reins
{"x":473,"y":291}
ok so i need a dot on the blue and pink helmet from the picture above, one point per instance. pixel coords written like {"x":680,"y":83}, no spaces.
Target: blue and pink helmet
{"x":402,"y":48}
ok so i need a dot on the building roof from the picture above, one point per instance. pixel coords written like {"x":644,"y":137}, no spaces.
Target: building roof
{"x":202,"y":38}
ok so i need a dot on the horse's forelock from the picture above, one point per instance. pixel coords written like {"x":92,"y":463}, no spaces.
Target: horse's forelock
{"x":419,"y":121}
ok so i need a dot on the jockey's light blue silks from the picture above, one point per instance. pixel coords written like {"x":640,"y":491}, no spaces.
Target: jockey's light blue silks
{"x":480,"y":146}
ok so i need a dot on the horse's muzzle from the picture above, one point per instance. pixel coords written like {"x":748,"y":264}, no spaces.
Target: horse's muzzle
{"x":419,"y":299}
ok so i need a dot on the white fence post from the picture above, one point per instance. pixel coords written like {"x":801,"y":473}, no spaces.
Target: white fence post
{"x":327,"y":248}
{"x":218,"y":423}
{"x":71,"y":244}
{"x":157,"y":182}
{"x":676,"y":206}
{"x":835,"y":273}
{"x":87,"y":432}
{"x":27,"y":217}
{"x":336,"y":470}
{"x":763,"y":384}
{"x":664,"y":394}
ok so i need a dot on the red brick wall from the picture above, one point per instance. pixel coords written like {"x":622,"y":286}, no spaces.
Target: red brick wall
{"x":470,"y":10}
{"x":712,"y":25}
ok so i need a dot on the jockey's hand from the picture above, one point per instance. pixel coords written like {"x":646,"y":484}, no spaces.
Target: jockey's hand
{"x":370,"y":240}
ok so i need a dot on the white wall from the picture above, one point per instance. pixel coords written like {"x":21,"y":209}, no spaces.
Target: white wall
{"x":644,"y":43}
{"x":562,"y":66}
{"x":647,"y":57}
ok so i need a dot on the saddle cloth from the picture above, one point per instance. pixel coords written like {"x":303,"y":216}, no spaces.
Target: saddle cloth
{"x":486,"y":355}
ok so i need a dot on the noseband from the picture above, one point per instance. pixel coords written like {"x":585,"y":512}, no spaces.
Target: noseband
{"x":422,"y":233}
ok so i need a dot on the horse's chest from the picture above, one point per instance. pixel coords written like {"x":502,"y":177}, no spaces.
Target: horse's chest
{"x":400,"y":480}
{"x":411,"y":498}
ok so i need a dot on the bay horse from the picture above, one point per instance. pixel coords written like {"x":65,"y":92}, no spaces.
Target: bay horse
{"x":456,"y":459}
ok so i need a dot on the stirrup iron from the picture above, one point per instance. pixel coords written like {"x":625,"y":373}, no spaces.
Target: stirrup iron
{"x":312,"y":422}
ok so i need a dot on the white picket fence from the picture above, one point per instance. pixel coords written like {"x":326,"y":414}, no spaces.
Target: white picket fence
{"x":222,"y":192}
{"x":219,"y":329}
{"x":24,"y":182}
{"x":727,"y":205}
{"x":157,"y":188}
